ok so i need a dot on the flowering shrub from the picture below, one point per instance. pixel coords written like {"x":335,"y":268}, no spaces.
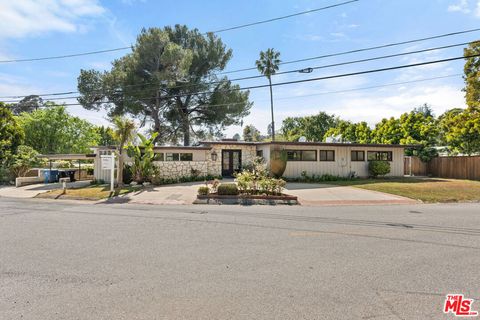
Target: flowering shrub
{"x":254,"y":179}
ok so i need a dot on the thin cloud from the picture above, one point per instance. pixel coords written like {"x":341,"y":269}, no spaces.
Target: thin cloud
{"x":19,"y":19}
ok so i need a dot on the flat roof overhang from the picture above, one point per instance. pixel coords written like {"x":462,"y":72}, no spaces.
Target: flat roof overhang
{"x":326,"y":144}
{"x":70,"y":156}
{"x":336,"y":144}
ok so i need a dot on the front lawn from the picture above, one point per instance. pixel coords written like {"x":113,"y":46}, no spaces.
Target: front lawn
{"x":424,"y":189}
{"x":94,"y":192}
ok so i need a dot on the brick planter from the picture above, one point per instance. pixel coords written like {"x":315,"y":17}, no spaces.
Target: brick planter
{"x":245,"y":199}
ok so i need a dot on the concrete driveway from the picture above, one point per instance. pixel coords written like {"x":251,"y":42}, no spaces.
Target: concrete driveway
{"x":314,"y":194}
{"x":310,"y":194}
{"x":32,"y":190}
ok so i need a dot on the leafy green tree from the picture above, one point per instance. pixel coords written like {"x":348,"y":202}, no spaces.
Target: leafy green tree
{"x":387,"y":131}
{"x":460,"y":130}
{"x":142,"y":156}
{"x":471,"y":75}
{"x":23,"y":160}
{"x":351,"y":132}
{"x":417,"y":127}
{"x":312,"y":127}
{"x":52,"y":130}
{"x":250,"y":133}
{"x":28,"y":104}
{"x":11,"y":134}
{"x":106,"y":136}
{"x":123,"y":133}
{"x":236,"y":136}
{"x":268,"y":65}
{"x":170,"y":81}
{"x":420,"y":127}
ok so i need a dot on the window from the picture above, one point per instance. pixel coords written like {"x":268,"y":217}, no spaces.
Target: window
{"x":301,"y":155}
{"x":358,"y":155}
{"x":260,"y":153}
{"x":186,"y":156}
{"x":379,"y":155}
{"x":177,"y":157}
{"x":327,"y":155}
{"x":172,"y":156}
{"x":159,"y":157}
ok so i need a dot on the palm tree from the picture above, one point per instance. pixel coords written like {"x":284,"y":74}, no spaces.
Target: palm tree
{"x":124,"y":130}
{"x":268,"y":66}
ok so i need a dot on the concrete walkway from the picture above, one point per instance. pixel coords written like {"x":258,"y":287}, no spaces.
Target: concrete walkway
{"x":32,"y":190}
{"x":313,"y":194}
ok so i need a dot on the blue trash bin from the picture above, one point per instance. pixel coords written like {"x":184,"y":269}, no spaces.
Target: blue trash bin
{"x":51,"y":176}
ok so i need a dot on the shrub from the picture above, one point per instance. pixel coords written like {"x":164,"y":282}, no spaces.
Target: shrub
{"x":203,"y":190}
{"x":305,"y":177}
{"x":378,"y":168}
{"x":127,"y":174}
{"x":194,"y":172}
{"x":25,"y":159}
{"x":228,"y":189}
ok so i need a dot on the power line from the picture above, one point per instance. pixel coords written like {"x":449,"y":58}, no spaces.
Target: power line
{"x":65,"y":55}
{"x":283,"y":17}
{"x":321,"y":78}
{"x":370,"y":87}
{"x":364,"y":49}
{"x":326,"y":92}
{"x":343,"y":75}
{"x":261,"y":76}
{"x":216,"y":31}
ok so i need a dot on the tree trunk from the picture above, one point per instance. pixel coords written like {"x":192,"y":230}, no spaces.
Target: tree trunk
{"x":186,"y":131}
{"x":271,"y":108}
{"x":120,"y":168}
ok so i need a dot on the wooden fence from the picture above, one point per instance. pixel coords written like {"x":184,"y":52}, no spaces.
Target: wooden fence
{"x":445,"y":167}
{"x":455,"y":167}
{"x":413,"y":166}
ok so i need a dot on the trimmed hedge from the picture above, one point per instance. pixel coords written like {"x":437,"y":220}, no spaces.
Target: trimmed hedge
{"x":203,"y":191}
{"x":227,"y":189}
{"x":378,"y":168}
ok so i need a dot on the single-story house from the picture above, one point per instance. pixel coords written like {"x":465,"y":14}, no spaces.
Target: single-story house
{"x":223,"y":158}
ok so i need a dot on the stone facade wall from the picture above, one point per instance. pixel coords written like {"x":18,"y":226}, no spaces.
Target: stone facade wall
{"x":177,"y":169}
{"x":249,"y":152}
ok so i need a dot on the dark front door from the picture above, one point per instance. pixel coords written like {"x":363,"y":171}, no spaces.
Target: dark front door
{"x":231,"y":162}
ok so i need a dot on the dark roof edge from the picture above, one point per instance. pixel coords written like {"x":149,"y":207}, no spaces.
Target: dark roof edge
{"x":161,"y":147}
{"x":337,"y":144}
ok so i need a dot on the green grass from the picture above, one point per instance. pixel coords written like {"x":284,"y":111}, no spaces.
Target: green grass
{"x":94,"y":192}
{"x":424,"y":189}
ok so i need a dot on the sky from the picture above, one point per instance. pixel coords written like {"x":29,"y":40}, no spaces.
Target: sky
{"x":31,"y":29}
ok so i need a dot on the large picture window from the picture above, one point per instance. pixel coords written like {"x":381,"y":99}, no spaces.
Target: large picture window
{"x":327,"y":155}
{"x":379,"y":155}
{"x":301,"y":155}
{"x":173,"y":157}
{"x":358,"y":155}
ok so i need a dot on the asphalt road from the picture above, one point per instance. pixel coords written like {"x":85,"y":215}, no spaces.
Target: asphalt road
{"x":63,"y":260}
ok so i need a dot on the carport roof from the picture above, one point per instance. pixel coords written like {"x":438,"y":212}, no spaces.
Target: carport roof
{"x":68,"y":156}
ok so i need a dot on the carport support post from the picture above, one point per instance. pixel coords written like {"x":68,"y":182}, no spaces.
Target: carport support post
{"x":112,"y":172}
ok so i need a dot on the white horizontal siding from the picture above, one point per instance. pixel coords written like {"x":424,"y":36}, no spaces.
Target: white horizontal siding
{"x":342,"y":165}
